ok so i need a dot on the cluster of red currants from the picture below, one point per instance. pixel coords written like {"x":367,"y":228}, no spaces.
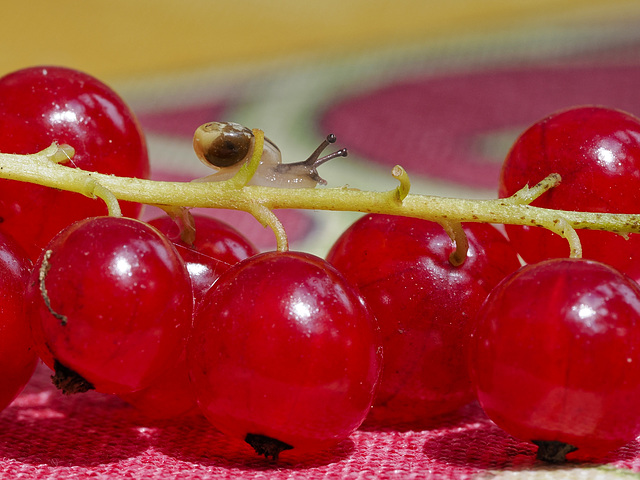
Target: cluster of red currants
{"x":287,"y":350}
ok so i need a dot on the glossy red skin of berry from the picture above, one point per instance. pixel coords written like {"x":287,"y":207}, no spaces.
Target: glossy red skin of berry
{"x":216,"y":243}
{"x":213,"y":238}
{"x":284,"y":347}
{"x":169,"y":396}
{"x":127,"y":299}
{"x":555,"y":355}
{"x":42,"y":105}
{"x":423,"y":304}
{"x":17,"y":356}
{"x":216,"y":247}
{"x":597,"y":152}
{"x":172,"y":395}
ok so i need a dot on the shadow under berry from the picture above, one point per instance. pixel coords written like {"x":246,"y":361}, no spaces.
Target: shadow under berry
{"x":193,"y":439}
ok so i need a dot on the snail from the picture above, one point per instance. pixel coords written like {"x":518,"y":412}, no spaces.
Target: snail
{"x":227,"y":146}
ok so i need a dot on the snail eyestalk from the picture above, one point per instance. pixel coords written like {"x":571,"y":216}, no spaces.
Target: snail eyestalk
{"x":310,"y":166}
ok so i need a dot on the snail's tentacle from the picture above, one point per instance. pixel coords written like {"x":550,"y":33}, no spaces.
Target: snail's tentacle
{"x":309,"y":166}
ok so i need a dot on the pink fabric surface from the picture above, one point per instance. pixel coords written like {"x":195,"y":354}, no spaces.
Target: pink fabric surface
{"x":45,"y":435}
{"x":450,"y":119}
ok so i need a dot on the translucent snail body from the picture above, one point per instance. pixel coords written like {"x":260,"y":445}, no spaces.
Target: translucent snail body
{"x":226,"y":146}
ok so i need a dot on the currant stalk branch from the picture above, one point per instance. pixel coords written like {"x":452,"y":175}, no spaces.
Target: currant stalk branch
{"x":459,"y":238}
{"x":261,"y":213}
{"x":46,"y":168}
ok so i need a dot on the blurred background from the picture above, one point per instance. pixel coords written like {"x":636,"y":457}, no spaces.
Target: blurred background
{"x":442,"y":88}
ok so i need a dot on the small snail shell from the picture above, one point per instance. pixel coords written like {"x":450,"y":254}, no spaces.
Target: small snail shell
{"x":227,"y":146}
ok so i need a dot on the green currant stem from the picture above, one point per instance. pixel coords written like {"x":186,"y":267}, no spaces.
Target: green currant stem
{"x":248,"y":170}
{"x":98,"y":191}
{"x":268,"y":219}
{"x":185,"y":221}
{"x":261,"y":213}
{"x":42,"y":168}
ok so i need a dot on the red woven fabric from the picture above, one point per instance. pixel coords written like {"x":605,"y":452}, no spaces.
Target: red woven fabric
{"x":45,"y":435}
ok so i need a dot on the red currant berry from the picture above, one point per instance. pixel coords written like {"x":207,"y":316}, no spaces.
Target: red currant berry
{"x":17,"y":356}
{"x":424,"y":306}
{"x":110,"y":305}
{"x":212,"y":237}
{"x":284,"y":354}
{"x":597,"y":152}
{"x":215,"y":248}
{"x":554,"y":357}
{"x":42,"y":105}
{"x":215,"y":244}
{"x":169,"y":396}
